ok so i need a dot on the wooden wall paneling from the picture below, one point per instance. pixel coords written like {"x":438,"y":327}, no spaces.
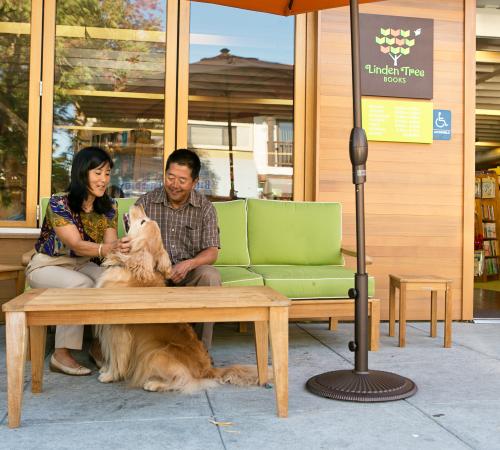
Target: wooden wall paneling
{"x":414,"y":196}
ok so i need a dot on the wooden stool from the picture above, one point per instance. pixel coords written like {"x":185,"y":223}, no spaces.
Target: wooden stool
{"x":16,"y":273}
{"x":419,"y":283}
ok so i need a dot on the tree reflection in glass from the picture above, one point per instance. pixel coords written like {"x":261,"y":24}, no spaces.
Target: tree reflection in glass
{"x":109,"y":89}
{"x":14,"y":96}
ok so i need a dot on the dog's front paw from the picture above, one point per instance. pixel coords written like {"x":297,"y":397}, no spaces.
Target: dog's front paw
{"x":153,"y":386}
{"x":105,"y":377}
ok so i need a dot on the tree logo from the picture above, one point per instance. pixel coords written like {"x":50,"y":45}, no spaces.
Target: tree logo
{"x":396,"y":43}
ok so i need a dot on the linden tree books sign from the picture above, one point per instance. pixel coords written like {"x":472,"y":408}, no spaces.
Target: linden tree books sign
{"x":396,"y":56}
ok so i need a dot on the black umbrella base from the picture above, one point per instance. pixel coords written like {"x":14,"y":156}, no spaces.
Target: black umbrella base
{"x":374,"y":386}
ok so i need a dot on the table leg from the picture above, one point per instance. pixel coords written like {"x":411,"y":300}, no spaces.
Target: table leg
{"x":392,"y":307}
{"x":334,"y":323}
{"x":16,"y":341}
{"x":402,"y":315}
{"x":433,"y":313}
{"x":262,"y":349}
{"x":448,"y":315}
{"x":278,"y":324}
{"x":38,"y":336}
{"x":28,"y":347}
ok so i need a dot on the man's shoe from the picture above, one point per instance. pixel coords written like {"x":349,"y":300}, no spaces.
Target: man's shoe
{"x":56,"y":366}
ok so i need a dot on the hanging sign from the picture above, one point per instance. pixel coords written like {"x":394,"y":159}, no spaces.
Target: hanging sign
{"x":441,"y":123}
{"x":397,"y":120}
{"x":396,"y":56}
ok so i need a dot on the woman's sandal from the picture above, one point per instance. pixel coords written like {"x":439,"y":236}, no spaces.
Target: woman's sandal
{"x":56,"y":366}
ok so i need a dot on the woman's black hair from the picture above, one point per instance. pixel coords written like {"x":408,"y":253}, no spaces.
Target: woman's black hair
{"x":86,"y":159}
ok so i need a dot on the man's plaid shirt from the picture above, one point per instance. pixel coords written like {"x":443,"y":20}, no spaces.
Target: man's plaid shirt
{"x":186,"y":231}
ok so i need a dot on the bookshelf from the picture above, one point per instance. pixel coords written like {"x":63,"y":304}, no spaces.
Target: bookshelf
{"x":487,"y":227}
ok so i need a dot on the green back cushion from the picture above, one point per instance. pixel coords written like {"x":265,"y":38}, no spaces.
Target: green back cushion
{"x":123,"y":206}
{"x":290,"y":233}
{"x":232,"y":218}
{"x":44,"y":201}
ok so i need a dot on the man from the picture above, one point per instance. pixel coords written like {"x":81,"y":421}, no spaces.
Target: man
{"x":188,"y":224}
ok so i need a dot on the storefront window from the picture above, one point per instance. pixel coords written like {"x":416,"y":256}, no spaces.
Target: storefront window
{"x":241,"y":78}
{"x":14,"y":103}
{"x":109,"y":89}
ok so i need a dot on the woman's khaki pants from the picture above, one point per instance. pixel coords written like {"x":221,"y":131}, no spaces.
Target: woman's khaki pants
{"x":78,"y":276}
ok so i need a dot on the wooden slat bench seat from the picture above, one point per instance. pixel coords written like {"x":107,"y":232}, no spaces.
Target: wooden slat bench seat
{"x":37,"y":308}
{"x":343,"y":309}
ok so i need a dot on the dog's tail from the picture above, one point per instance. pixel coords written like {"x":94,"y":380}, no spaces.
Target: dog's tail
{"x":238,"y":375}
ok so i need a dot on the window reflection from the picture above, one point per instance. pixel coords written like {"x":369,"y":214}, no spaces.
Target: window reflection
{"x":109,"y":89}
{"x":241,"y":81}
{"x":14,"y":89}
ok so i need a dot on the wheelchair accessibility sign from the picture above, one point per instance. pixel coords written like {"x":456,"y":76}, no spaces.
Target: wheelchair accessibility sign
{"x":441,"y":125}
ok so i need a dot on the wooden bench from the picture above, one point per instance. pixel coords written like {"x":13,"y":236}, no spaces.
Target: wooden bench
{"x":37,"y":308}
{"x":10,"y":272}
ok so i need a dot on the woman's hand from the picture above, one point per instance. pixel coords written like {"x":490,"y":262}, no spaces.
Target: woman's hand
{"x":124,"y":245}
{"x":107,"y":248}
{"x":120,"y":245}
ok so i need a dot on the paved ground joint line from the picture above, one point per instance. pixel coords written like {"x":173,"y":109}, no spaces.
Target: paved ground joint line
{"x":459,"y":344}
{"x":215,"y":419}
{"x":406,"y":400}
{"x":324,"y":344}
{"x":429,"y":416}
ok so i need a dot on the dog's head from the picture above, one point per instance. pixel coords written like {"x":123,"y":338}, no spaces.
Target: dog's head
{"x":147,"y":254}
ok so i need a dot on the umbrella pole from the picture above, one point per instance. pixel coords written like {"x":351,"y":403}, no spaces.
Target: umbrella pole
{"x":360,"y":384}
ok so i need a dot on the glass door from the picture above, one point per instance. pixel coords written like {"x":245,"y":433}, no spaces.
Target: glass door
{"x":241,"y":88}
{"x":106,"y":84}
{"x":20,"y":47}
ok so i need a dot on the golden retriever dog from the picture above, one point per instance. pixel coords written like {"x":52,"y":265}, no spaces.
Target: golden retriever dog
{"x":156,"y":357}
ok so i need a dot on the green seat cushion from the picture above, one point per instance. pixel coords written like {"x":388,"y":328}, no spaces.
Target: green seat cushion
{"x":303,"y":282}
{"x":239,"y":276}
{"x":232,"y":218}
{"x":296,"y":233}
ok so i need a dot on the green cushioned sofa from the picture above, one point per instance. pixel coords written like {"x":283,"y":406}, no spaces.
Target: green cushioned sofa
{"x":293,"y":247}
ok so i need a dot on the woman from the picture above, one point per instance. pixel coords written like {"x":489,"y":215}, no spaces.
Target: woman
{"x":78,"y":231}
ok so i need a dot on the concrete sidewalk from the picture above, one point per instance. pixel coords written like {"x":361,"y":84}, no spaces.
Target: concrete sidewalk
{"x":457,"y":404}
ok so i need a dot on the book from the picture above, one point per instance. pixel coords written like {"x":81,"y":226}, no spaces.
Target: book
{"x":478,"y":263}
{"x":489,"y":230}
{"x":488,"y":187}
{"x":478,"y":188}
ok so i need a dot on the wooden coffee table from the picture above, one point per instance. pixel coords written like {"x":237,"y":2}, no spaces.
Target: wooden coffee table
{"x":37,"y":308}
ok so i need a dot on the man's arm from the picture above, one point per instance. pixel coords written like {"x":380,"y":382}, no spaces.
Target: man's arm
{"x":205,"y":257}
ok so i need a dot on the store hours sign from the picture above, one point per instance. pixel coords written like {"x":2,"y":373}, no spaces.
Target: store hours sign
{"x":396,"y":56}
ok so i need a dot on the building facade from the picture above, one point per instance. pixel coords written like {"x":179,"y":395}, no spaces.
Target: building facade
{"x":264,"y":100}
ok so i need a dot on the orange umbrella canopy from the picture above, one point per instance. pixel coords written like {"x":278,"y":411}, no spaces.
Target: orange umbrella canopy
{"x":284,"y":7}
